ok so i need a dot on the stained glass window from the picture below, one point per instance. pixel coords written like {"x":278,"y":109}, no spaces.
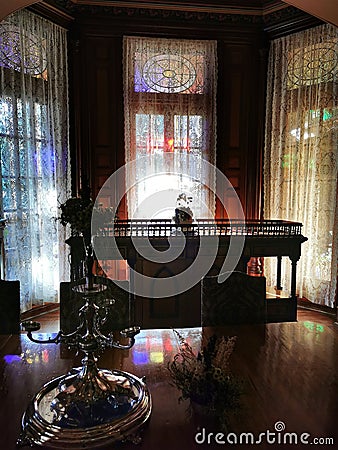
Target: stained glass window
{"x":169,"y":73}
{"x":34,"y":161}
{"x":170,"y":95}
{"x":23,"y":52}
{"x":316,"y":63}
{"x":300,"y":158}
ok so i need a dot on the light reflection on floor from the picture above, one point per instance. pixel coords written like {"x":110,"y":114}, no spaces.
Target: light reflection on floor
{"x":156,"y":346}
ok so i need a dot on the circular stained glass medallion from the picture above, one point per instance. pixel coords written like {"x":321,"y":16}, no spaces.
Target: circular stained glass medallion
{"x":22,"y":51}
{"x":313,"y":64}
{"x":168,"y":73}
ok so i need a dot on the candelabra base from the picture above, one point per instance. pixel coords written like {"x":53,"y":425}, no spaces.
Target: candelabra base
{"x":81,"y":424}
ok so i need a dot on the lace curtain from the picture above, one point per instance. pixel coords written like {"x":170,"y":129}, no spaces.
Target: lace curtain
{"x":301,"y":153}
{"x":34,"y":153}
{"x":170,"y":101}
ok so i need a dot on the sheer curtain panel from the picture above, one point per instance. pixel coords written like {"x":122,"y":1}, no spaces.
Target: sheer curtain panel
{"x":170,"y":103}
{"x":301,"y":152}
{"x":34,"y":153}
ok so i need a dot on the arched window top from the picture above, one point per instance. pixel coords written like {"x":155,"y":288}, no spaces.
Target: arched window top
{"x":23,"y":51}
{"x":313,"y":64}
{"x":171,"y":66}
{"x":169,"y":74}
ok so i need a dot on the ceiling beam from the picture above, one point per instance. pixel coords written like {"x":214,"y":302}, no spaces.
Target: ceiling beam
{"x":8,"y":7}
{"x":326,"y":10}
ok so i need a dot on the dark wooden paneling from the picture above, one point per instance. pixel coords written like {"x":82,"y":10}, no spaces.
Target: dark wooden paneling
{"x":9,"y":307}
{"x":101,"y":102}
{"x":97,"y":88}
{"x":102,"y":149}
{"x":240,"y":103}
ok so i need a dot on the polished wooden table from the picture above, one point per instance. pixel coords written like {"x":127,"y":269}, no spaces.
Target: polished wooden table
{"x":289,"y":371}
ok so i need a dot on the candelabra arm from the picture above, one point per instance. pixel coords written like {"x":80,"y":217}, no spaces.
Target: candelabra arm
{"x":65,"y":336}
{"x":116,"y":344}
{"x":129,"y":333}
{"x":61,"y":337}
{"x":124,"y":347}
{"x":55,"y":340}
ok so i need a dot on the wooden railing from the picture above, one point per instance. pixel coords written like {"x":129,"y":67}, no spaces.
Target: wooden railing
{"x":202,"y":227}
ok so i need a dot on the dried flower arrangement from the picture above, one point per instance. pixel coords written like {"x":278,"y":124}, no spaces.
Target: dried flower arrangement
{"x":205,"y":378}
{"x":77,"y":212}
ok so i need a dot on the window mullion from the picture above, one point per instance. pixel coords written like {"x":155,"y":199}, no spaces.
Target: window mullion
{"x":168,"y":132}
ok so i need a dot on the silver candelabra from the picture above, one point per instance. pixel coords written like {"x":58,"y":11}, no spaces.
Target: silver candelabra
{"x":88,"y":407}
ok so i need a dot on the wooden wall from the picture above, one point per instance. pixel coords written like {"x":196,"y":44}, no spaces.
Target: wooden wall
{"x":96,"y":57}
{"x":96,"y":88}
{"x":97,"y":124}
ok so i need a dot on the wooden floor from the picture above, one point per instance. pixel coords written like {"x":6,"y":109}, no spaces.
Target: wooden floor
{"x":290,"y":372}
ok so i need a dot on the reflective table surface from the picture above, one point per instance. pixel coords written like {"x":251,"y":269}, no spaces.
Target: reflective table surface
{"x":289,"y":371}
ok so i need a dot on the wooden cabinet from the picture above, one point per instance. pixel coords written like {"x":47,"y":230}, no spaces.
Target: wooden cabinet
{"x":244,"y":240}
